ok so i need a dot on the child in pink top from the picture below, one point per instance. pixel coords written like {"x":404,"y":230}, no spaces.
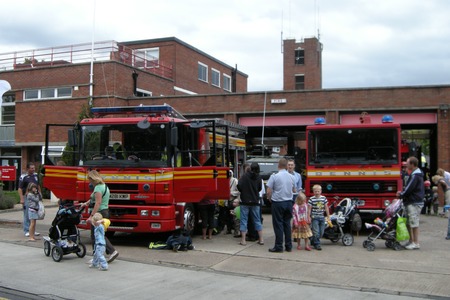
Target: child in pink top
{"x":300,"y":228}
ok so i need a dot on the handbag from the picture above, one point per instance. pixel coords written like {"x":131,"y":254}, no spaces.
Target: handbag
{"x":401,"y":232}
{"x":41,"y":211}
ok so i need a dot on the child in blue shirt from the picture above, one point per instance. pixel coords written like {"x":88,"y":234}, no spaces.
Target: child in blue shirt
{"x":100,"y":225}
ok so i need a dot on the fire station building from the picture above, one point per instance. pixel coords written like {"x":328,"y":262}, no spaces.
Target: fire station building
{"x":55,"y":85}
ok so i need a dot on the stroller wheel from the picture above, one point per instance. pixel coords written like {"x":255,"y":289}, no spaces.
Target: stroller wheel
{"x":389,"y":244}
{"x":81,"y":250}
{"x":365,"y":243}
{"x":347,"y":239}
{"x":57,"y":253}
{"x":397,"y":246}
{"x":370,"y":246}
{"x":47,"y":248}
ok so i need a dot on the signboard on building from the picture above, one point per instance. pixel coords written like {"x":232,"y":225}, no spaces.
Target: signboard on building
{"x":7,"y":173}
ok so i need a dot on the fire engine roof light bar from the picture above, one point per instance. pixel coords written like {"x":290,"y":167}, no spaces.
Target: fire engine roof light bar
{"x":387,"y":119}
{"x":320,"y":121}
{"x":149,"y":109}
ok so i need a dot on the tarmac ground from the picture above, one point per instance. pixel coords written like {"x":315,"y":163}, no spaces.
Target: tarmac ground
{"x":222,"y":268}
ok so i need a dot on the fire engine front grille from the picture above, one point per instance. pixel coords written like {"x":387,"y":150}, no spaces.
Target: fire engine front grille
{"x":122,"y":211}
{"x":356,"y":187}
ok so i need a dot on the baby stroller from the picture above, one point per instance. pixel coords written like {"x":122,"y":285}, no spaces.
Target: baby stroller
{"x":385,"y":228}
{"x":64,"y":236}
{"x":345,"y":217}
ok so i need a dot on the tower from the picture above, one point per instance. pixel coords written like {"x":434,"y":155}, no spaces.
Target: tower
{"x":302,"y":64}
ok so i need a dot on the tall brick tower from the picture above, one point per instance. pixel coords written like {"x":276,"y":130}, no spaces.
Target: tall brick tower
{"x":302,"y":64}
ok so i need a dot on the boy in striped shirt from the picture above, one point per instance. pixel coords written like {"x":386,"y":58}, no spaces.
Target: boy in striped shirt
{"x":317,"y":205}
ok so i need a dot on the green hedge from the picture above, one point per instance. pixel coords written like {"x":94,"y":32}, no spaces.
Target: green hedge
{"x":8,"y":199}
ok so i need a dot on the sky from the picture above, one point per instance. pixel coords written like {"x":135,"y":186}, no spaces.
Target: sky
{"x":366,"y":43}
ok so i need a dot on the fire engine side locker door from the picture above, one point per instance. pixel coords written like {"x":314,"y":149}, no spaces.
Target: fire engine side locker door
{"x":192,"y":184}
{"x":66,"y":182}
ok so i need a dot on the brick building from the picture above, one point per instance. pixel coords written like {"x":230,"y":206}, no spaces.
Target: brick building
{"x":170,"y":71}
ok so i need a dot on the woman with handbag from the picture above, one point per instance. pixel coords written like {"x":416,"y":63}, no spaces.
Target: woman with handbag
{"x":99,"y":202}
{"x":33,"y":198}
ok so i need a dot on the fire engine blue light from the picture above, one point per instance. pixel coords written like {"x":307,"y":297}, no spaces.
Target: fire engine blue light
{"x":320,"y":121}
{"x":376,"y":187}
{"x":387,"y":119}
{"x":329,"y":187}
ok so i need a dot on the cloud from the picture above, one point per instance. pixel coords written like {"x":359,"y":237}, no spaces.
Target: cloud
{"x":366,"y":43}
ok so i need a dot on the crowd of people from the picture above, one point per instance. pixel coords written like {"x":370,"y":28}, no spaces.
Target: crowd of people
{"x":296,"y":218}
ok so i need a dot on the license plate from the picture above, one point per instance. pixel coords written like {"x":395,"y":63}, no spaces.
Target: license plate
{"x":119,"y":196}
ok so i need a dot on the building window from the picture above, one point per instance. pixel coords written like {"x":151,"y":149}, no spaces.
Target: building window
{"x":63,"y":92}
{"x":226,"y":82}
{"x":202,"y":72}
{"x":8,"y":109}
{"x":215,"y":77}
{"x":299,"y":57}
{"x":146,"y":58}
{"x":299,"y":82}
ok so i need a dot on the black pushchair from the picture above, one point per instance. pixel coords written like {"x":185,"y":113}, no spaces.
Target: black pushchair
{"x":385,"y":228}
{"x":344,"y":220}
{"x":64,"y":236}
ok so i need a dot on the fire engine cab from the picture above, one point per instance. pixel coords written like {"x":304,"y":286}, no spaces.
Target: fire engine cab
{"x":356,"y":160}
{"x":156,"y":163}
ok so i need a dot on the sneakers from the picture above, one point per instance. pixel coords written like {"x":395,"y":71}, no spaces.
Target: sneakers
{"x":112,"y":257}
{"x":412,"y":246}
{"x":27,"y":234}
{"x":102,"y":269}
{"x":92,"y":266}
{"x":89,"y":262}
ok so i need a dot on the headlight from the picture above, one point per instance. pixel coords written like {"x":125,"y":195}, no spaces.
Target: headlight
{"x":386,"y":203}
{"x":144,"y":213}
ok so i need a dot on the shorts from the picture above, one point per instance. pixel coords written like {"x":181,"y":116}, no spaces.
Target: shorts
{"x":413,"y":214}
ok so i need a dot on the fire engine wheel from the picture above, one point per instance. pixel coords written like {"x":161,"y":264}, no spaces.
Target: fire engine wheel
{"x":189,"y":218}
{"x":347,"y":239}
{"x":370,"y":246}
{"x":81,"y":250}
{"x":47,"y":248}
{"x":356,"y":222}
{"x":57,"y":253}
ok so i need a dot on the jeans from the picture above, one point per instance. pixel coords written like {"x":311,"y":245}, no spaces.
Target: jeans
{"x":26,"y":218}
{"x":318,"y":227}
{"x":448,"y":229}
{"x":281,"y":220}
{"x":254,"y":210}
{"x":99,"y":257}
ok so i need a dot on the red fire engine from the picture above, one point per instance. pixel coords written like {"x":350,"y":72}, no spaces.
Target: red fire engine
{"x":156,"y":163}
{"x":357,"y":161}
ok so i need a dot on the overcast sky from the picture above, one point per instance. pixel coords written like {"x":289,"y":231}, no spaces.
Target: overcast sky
{"x":366,"y":43}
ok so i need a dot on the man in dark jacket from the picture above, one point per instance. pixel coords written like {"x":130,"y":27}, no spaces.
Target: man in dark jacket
{"x":413,"y":194}
{"x":249,"y":186}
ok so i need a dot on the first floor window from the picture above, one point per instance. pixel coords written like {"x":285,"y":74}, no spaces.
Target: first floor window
{"x":226,"y":82}
{"x":202,"y":72}
{"x":215,"y":77}
{"x":8,"y":109}
{"x":299,"y":82}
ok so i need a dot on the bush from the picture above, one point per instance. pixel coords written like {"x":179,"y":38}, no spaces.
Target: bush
{"x":6,"y":202}
{"x":13,"y":195}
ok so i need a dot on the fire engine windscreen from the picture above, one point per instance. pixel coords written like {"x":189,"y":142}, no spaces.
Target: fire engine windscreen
{"x":353,"y":146}
{"x":124,"y":144}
